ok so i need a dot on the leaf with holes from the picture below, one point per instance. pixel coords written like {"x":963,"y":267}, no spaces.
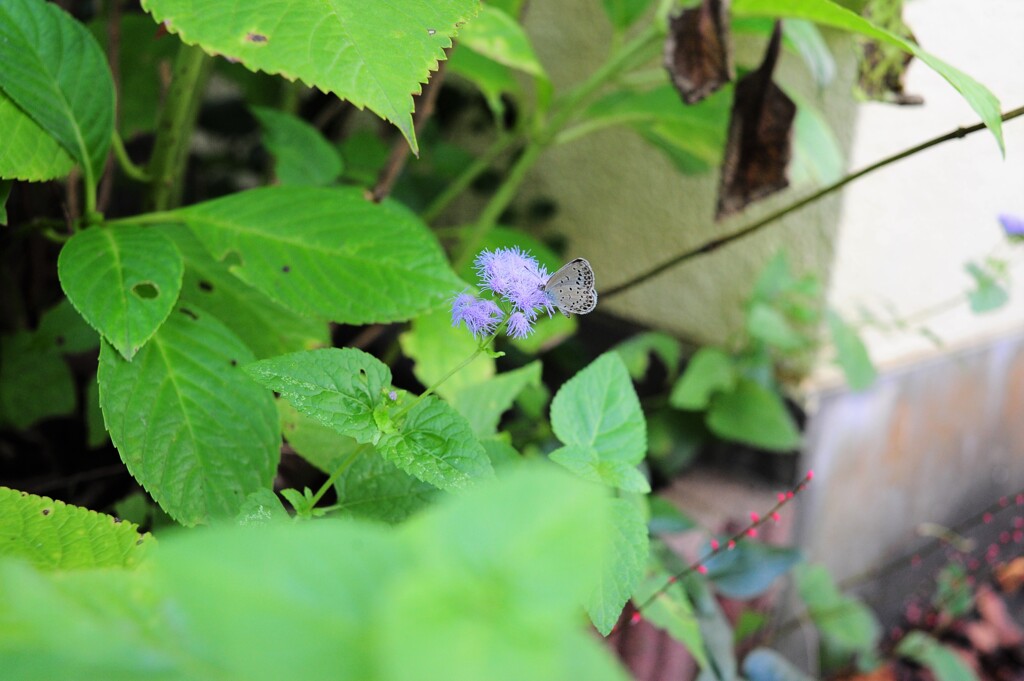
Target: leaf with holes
{"x":35,"y":382}
{"x":436,"y":444}
{"x":340,"y":388}
{"x":622,"y":573}
{"x":192,"y":428}
{"x":327,"y":252}
{"x":123,"y":280}
{"x":598,"y":415}
{"x":267,"y":327}
{"x":56,"y":73}
{"x":374,"y":54}
{"x":53,"y":535}
{"x":301,"y":154}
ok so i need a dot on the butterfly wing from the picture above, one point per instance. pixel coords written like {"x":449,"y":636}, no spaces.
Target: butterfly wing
{"x":572,"y":288}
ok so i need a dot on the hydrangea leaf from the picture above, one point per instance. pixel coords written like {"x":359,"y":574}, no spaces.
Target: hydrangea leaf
{"x":52,"y":535}
{"x":260,"y":508}
{"x":483,"y":403}
{"x":340,"y":388}
{"x":436,"y":444}
{"x":301,"y":154}
{"x":621,"y":575}
{"x":124,"y":280}
{"x":374,"y":54}
{"x":491,"y":78}
{"x":267,"y":327}
{"x":830,"y":14}
{"x":56,"y":73}
{"x":598,"y":415}
{"x":191,"y":427}
{"x":29,"y":153}
{"x":62,"y":329}
{"x":327,"y":252}
{"x":753,"y":414}
{"x":636,"y":353}
{"x":586,"y":462}
{"x":496,"y":35}
{"x":709,"y":371}
{"x":435,"y":346}
{"x":35,"y":383}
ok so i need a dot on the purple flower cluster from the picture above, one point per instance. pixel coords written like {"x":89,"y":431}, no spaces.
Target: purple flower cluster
{"x":1013,"y":225}
{"x":517,"y":279}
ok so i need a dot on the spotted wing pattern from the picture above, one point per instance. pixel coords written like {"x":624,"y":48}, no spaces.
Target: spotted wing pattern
{"x":572,"y":288}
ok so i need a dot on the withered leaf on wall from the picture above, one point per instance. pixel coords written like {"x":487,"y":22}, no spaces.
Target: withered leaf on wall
{"x":698,"y":50}
{"x":759,"y":146}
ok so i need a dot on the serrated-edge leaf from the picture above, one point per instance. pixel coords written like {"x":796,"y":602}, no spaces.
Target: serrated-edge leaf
{"x":327,"y":252}
{"x":53,"y":535}
{"x":598,"y":408}
{"x":373,"y":487}
{"x":623,"y":572}
{"x":375,"y":55}
{"x":339,"y":387}
{"x":436,"y":444}
{"x":29,"y":153}
{"x":110,"y":274}
{"x":56,"y":72}
{"x":586,"y":463}
{"x":189,"y":424}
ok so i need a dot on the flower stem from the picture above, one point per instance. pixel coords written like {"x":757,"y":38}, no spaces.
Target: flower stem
{"x":462,"y":365}
{"x":174,"y":130}
{"x":342,"y":467}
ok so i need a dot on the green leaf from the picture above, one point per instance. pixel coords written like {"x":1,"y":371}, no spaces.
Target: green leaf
{"x":672,"y":612}
{"x":830,"y":14}
{"x":327,"y":252}
{"x":301,"y":154}
{"x":597,"y":414}
{"x":500,"y":451}
{"x":752,"y":414}
{"x":817,"y":155}
{"x":375,"y":55}
{"x":496,"y":35}
{"x":369,"y":486}
{"x":29,"y":153}
{"x":340,"y":388}
{"x":52,"y":535}
{"x":62,"y":329}
{"x":942,"y":661}
{"x":56,"y":73}
{"x":749,"y":569}
{"x":851,"y":355}
{"x":799,"y":36}
{"x":847,"y":627}
{"x":620,"y":576}
{"x":34,"y":383}
{"x":483,"y":403}
{"x":989,"y":294}
{"x":709,"y":371}
{"x":5,"y":192}
{"x":436,"y":347}
{"x":715,"y":631}
{"x":124,"y":280}
{"x":491,"y":78}
{"x":636,"y":353}
{"x":267,"y":327}
{"x":507,"y":566}
{"x":666,"y":518}
{"x":623,"y":13}
{"x":764,"y":664}
{"x":769,"y":325}
{"x":261,"y":507}
{"x":144,"y":57}
{"x":374,"y":488}
{"x":436,"y":444}
{"x":95,"y":432}
{"x":188,"y":423}
{"x":954,"y":595}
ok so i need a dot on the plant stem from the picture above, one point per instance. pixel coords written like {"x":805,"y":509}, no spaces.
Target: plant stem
{"x":437,"y":384}
{"x":130,"y":169}
{"x":563,"y":112}
{"x":342,"y":467}
{"x":174,"y":130}
{"x":466,"y":177}
{"x":715,"y":244}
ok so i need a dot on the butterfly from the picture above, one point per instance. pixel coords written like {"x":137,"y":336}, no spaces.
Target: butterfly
{"x":571,"y":288}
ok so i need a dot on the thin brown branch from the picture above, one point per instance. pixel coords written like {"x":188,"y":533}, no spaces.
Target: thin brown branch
{"x":400,"y":150}
{"x":114,"y":61}
{"x":715,"y":244}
